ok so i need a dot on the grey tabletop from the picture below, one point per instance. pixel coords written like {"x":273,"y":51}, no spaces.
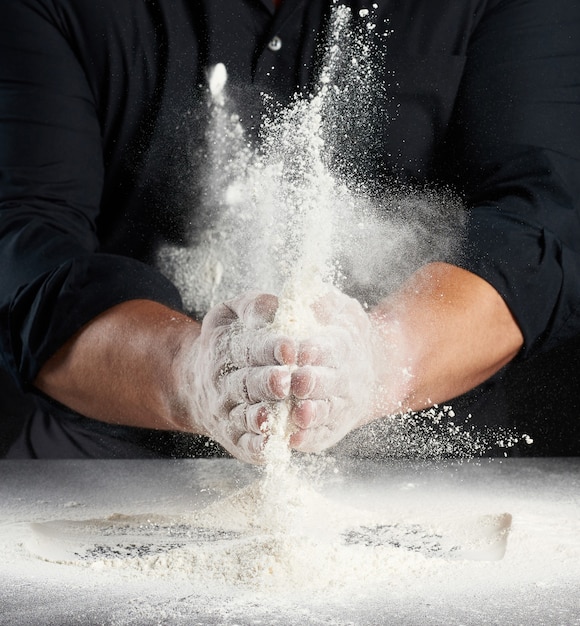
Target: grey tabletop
{"x":168,"y":542}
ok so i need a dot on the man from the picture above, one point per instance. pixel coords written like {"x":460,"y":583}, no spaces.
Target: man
{"x":91,"y":95}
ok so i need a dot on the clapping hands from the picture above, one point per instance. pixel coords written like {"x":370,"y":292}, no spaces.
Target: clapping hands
{"x":244,"y":368}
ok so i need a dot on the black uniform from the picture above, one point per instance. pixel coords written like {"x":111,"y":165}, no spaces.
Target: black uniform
{"x":100,"y":116}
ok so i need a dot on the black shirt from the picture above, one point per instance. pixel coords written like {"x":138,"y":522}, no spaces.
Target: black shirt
{"x":101,"y":111}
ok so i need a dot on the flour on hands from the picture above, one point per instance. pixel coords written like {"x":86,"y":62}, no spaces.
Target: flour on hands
{"x":334,"y":382}
{"x":238,"y":370}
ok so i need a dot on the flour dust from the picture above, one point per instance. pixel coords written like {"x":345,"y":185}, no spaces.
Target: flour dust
{"x":298,"y":206}
{"x":297,"y":211}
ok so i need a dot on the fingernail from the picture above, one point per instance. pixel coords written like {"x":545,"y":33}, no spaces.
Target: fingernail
{"x":285,"y":354}
{"x":304,"y":384}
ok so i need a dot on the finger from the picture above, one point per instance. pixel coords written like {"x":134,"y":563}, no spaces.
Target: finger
{"x":331,"y":349}
{"x":219,"y":315}
{"x":313,"y":440}
{"x":242,"y":437}
{"x":309,"y":353}
{"x":250,"y":448}
{"x":312,"y":414}
{"x":334,"y":425}
{"x":255,"y":384}
{"x":296,"y":439}
{"x":261,"y":348}
{"x":285,"y":351}
{"x":254,"y":309}
{"x":318,"y":383}
{"x":304,"y":381}
{"x":250,"y":417}
{"x":268,"y":383}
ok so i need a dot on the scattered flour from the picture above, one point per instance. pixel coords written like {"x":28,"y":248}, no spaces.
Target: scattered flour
{"x":288,"y":542}
{"x":369,"y":543}
{"x":300,"y":205}
{"x":298,"y":211}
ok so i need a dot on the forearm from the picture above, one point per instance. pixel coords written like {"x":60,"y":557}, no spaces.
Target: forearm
{"x":120,"y":367}
{"x":445,"y":333}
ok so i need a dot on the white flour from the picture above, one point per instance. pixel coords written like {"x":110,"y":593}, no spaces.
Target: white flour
{"x":296,"y":212}
{"x":292,"y":216}
{"x":287,"y":542}
{"x":299,"y":205}
{"x":369,"y":544}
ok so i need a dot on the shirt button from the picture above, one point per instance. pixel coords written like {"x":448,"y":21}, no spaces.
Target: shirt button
{"x":275,"y":44}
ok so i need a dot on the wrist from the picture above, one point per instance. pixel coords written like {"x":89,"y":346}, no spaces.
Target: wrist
{"x":181,"y":399}
{"x":393,"y":363}
{"x":120,"y":367}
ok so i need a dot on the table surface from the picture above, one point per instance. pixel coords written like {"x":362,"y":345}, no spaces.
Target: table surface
{"x":536,"y":582}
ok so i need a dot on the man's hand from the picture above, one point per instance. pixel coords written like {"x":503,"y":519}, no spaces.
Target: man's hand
{"x":143,"y":364}
{"x":445,"y":332}
{"x":338,"y":368}
{"x":236,"y":372}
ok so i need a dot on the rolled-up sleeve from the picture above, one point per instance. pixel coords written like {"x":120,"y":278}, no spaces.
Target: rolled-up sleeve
{"x":518,"y":117}
{"x":53,"y":276}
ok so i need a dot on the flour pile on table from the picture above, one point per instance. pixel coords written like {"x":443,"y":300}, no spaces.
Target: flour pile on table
{"x":278,"y":533}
